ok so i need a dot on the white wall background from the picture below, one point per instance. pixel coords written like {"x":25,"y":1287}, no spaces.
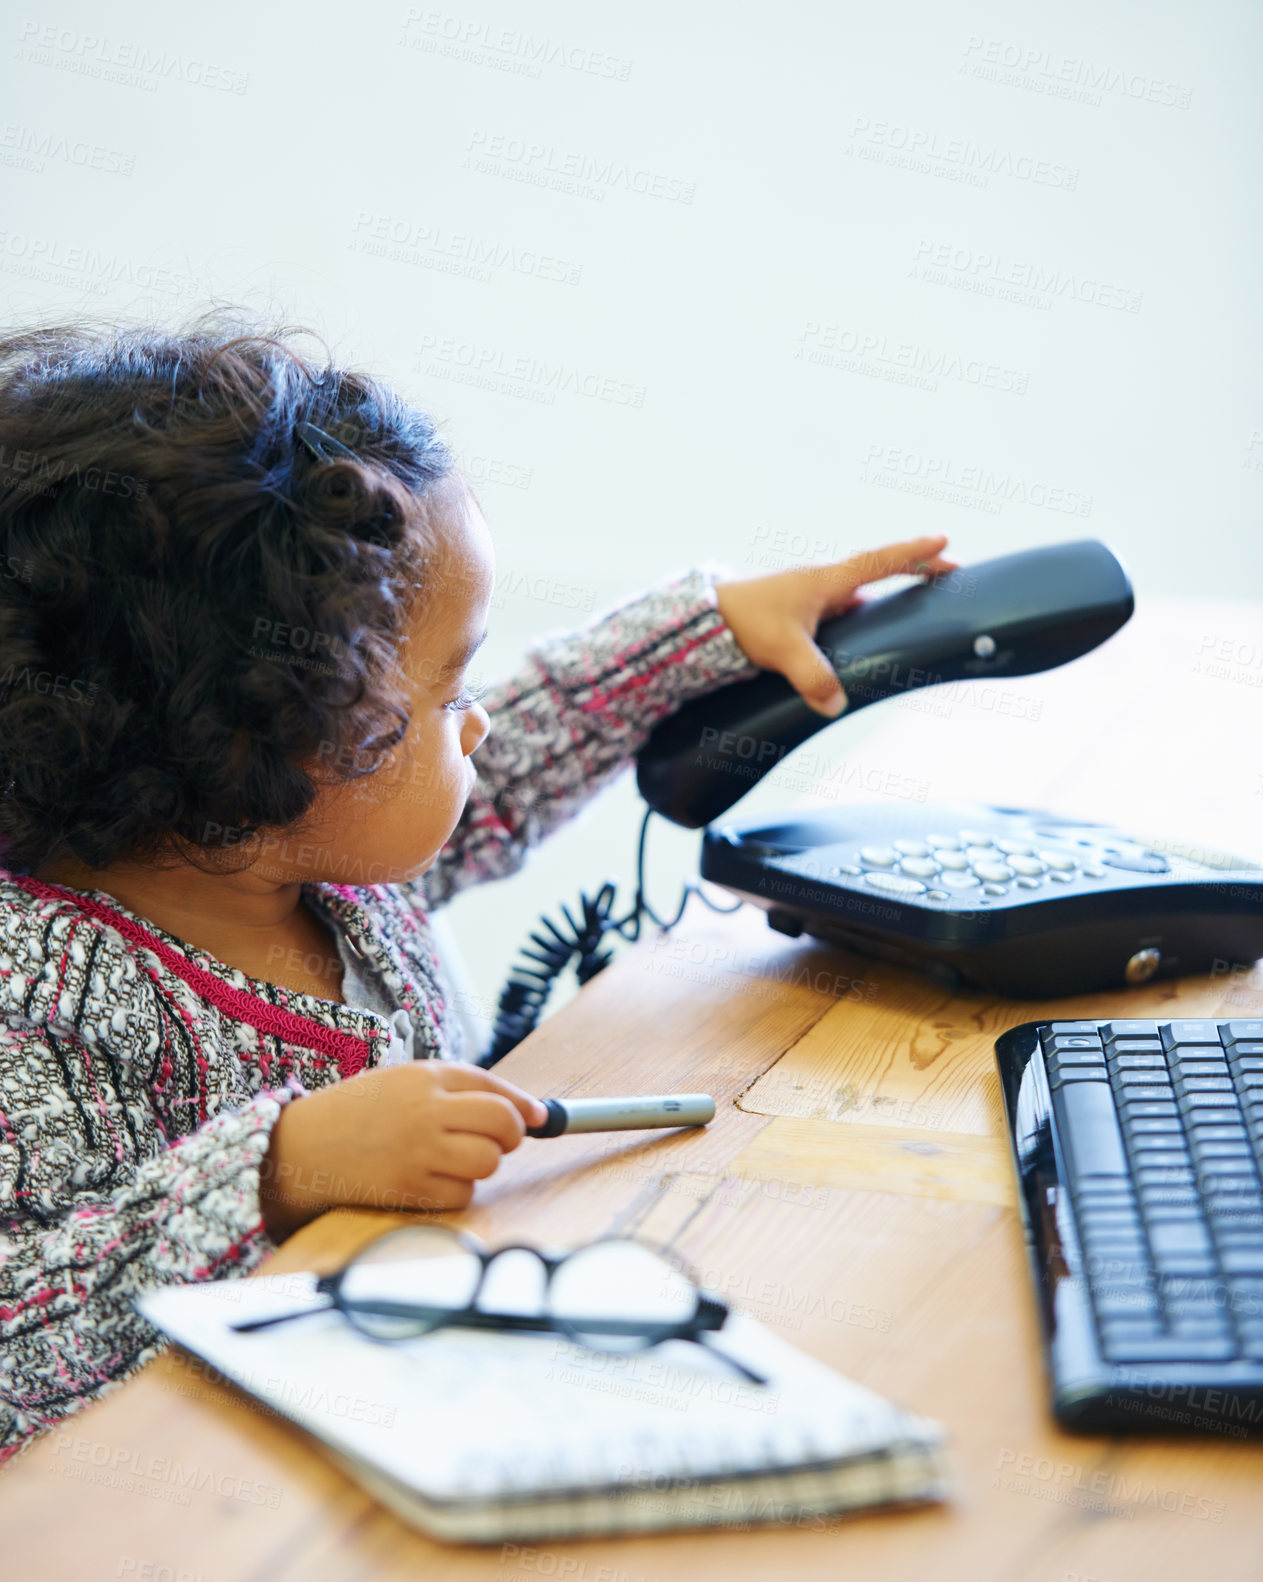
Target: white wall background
{"x":829,"y":265}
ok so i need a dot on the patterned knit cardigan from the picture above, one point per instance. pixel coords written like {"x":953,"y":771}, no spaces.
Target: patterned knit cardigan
{"x":140,"y":1077}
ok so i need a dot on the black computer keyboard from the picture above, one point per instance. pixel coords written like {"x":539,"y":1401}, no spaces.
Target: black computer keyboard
{"x":1138,"y":1147}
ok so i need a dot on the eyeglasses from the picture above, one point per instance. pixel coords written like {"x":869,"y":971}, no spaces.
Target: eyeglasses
{"x":614,"y":1295}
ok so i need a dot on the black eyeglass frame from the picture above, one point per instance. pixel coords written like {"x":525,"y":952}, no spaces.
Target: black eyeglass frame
{"x":709,"y":1314}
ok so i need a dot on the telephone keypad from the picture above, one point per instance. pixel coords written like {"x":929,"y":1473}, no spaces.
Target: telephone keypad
{"x":941,"y":866}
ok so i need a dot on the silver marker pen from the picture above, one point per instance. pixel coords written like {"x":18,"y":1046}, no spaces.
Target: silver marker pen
{"x":623,"y":1115}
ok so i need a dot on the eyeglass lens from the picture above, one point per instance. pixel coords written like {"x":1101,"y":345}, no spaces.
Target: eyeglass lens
{"x":613,"y":1282}
{"x":408,"y":1282}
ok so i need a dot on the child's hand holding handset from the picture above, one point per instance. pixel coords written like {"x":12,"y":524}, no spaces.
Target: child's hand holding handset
{"x":414,"y":1136}
{"x":774,"y":619}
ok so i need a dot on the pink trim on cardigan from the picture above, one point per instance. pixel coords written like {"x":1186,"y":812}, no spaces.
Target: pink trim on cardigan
{"x":348,"y":1049}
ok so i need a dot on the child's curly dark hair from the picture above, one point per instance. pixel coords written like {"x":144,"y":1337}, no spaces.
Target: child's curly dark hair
{"x":193,"y":604}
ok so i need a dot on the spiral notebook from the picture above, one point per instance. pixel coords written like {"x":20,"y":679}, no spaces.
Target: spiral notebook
{"x":482,"y":1438}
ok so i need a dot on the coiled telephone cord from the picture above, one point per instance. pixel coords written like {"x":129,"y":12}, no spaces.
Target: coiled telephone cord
{"x":554,"y":945}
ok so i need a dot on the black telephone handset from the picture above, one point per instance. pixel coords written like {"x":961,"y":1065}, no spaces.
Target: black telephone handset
{"x":1012,"y":616}
{"x":1023,"y":903}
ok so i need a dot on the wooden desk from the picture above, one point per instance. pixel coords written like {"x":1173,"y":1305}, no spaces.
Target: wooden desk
{"x":854,"y":1192}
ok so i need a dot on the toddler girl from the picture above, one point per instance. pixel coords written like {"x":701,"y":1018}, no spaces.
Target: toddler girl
{"x":240,"y":764}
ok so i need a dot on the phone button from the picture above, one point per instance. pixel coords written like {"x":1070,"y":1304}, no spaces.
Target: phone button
{"x":879,"y":856}
{"x":958,"y":881}
{"x":895,"y":883}
{"x":1136,"y":862}
{"x":1028,"y":867}
{"x":920,"y":867}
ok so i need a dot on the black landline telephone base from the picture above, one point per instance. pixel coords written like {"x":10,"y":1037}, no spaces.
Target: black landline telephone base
{"x":1020,"y":903}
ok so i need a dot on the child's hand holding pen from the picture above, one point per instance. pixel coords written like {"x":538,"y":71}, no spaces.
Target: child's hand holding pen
{"x":415,"y":1136}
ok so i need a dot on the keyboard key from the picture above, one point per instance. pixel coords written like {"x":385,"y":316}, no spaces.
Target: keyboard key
{"x":1159,"y":1197}
{"x":1148,"y":1110}
{"x":1123,"y":1330}
{"x":1114,"y":1030}
{"x":1252,"y":1063}
{"x":1245,"y":1296}
{"x":1173,"y":1211}
{"x":1162,"y":1158}
{"x":1201,"y":1305}
{"x":1208,"y":1148}
{"x":1186,"y":1084}
{"x":1067,"y":1041}
{"x":1169,"y":1348}
{"x":1250,"y":1081}
{"x":1087,"y":1124}
{"x":1231,"y":1222}
{"x":1241,"y":1260}
{"x":1203,"y":1068}
{"x":1209,"y":1328}
{"x":1166,"y":1175}
{"x":1153,"y":1125}
{"x":1119,"y":1212}
{"x":1211,"y":1101}
{"x":1237,"y":1237}
{"x":1228,"y":1167}
{"x":1174,"y":1033}
{"x":1088,"y":1203}
{"x":1083,"y":1064}
{"x":1237,"y":1032}
{"x":1057,"y":1075}
{"x":1218,"y":1127}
